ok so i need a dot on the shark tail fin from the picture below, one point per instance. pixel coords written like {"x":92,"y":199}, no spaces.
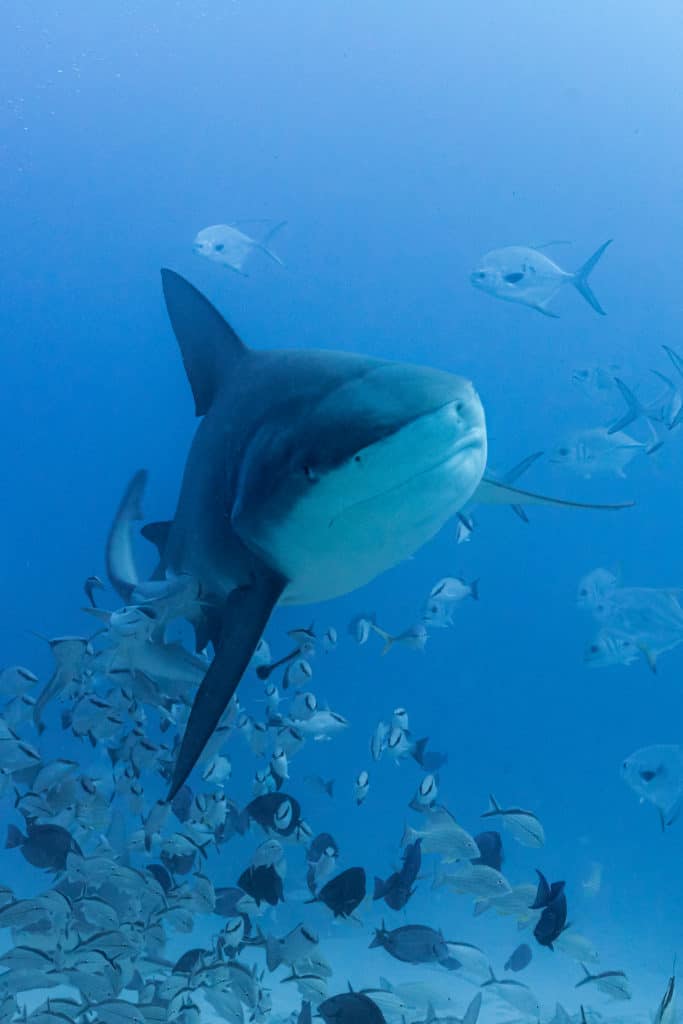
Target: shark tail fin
{"x":580,"y":278}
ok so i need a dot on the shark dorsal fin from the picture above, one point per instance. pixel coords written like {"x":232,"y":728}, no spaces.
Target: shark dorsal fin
{"x":209,"y":346}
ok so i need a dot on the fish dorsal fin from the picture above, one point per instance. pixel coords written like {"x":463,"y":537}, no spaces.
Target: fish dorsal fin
{"x":494,"y":492}
{"x":157,"y":534}
{"x":209,"y":346}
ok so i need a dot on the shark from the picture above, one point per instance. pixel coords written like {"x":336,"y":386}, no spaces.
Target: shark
{"x":311,"y":473}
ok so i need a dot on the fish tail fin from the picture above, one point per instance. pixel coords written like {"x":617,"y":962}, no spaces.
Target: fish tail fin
{"x":418,"y":752}
{"x":273,"y":955}
{"x":481,"y":906}
{"x":14,"y":837}
{"x":580,"y":278}
{"x":264,"y":244}
{"x":380,"y":889}
{"x":474,"y":589}
{"x":633,"y":408}
{"x":377,"y":940}
{"x":408,"y":836}
{"x":387,"y":637}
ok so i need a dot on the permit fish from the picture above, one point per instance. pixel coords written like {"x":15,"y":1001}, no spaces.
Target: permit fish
{"x":597,"y":452}
{"x":611,"y":983}
{"x":523,"y":825}
{"x":527,"y":276}
{"x":515,"y":993}
{"x":232,"y":248}
{"x":655,"y":774}
{"x":300,"y":460}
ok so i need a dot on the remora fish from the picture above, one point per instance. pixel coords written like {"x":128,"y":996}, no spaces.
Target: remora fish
{"x":300,"y":460}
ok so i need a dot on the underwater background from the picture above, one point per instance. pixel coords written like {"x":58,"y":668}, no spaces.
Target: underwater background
{"x":400,"y":142}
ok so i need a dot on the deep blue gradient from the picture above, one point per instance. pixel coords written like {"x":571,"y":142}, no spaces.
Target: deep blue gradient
{"x":400,"y":141}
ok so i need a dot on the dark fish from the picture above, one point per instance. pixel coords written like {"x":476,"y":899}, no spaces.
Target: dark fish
{"x":351,"y":1008}
{"x":553,"y":920}
{"x":179,"y":863}
{"x":270,"y":812}
{"x":397,"y":889}
{"x":520,"y":959}
{"x":44,"y":846}
{"x":227,"y":901}
{"x":490,"y":850}
{"x":343,"y":893}
{"x":431,"y":760}
{"x":159,"y":872}
{"x":181,"y":805}
{"x":412,"y":944}
{"x":189,"y":961}
{"x":323,"y":844}
{"x":305,"y":1014}
{"x":263,"y":884}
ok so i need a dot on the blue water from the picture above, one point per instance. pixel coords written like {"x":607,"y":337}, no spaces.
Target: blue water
{"x":400,"y":142}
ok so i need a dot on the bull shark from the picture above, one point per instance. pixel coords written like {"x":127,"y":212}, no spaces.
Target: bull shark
{"x":310,"y":473}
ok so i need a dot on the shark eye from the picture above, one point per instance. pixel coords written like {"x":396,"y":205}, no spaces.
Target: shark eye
{"x":311,"y":474}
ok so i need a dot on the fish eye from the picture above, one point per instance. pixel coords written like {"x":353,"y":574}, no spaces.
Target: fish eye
{"x":219,"y":246}
{"x":311,"y":474}
{"x":563,"y":451}
{"x":513,"y":278}
{"x":647,"y":775}
{"x":594,"y":648}
{"x":480,"y":275}
{"x":583,"y":592}
{"x":357,"y":458}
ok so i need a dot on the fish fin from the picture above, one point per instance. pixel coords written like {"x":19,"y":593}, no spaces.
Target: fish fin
{"x":431,"y":1014}
{"x":418,"y":752}
{"x":543,"y":894}
{"x":492,"y":492}
{"x":633,"y":408}
{"x":519,"y":511}
{"x":545,"y":311}
{"x":472,"y":1011}
{"x":209,"y":347}
{"x":264,"y":244}
{"x":14,"y":837}
{"x":121,"y":570}
{"x":580,"y":278}
{"x":380,"y":889}
{"x":157,"y":534}
{"x":521,"y":467}
{"x":245,"y":614}
{"x":675,"y":358}
{"x":494,"y":808}
{"x":650,"y":657}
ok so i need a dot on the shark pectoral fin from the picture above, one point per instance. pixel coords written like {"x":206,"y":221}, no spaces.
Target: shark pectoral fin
{"x":491,"y":492}
{"x":245,"y":614}
{"x":209,"y":346}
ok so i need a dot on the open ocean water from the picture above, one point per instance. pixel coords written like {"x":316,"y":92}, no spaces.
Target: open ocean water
{"x":427,"y":161}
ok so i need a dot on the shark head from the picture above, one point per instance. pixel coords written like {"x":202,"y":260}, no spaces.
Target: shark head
{"x":362,"y":478}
